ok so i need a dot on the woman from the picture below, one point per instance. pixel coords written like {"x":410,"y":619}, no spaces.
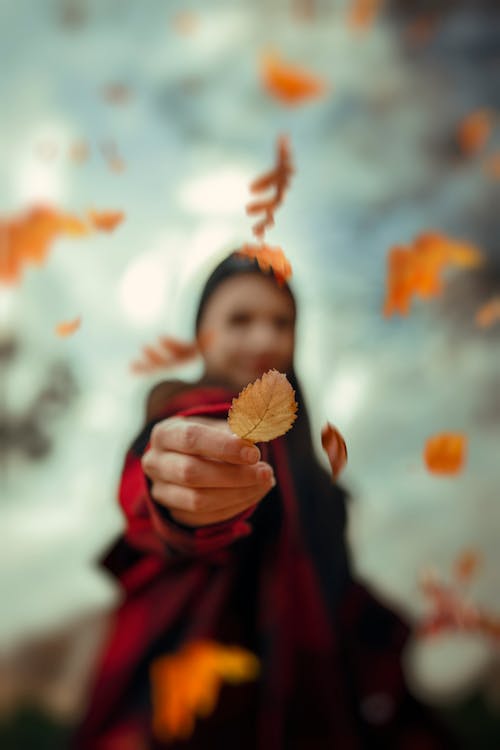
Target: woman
{"x":246,"y":546}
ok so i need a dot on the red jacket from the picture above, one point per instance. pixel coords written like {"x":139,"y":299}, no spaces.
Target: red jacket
{"x":274,"y":579}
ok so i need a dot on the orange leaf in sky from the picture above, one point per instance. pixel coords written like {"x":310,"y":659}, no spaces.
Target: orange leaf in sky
{"x":290,"y":84}
{"x":489,"y":313}
{"x":335,"y":448}
{"x":79,"y":152}
{"x":434,"y":251}
{"x":106,"y":220}
{"x":474,"y":131}
{"x":466,"y":565}
{"x":169,"y":352}
{"x":452,"y":612}
{"x":430,"y":258}
{"x":269,"y":258}
{"x":28,"y":239}
{"x":265,"y":409}
{"x":418,"y":268}
{"x":492,"y":165}
{"x":447,"y":250}
{"x":401,"y":275}
{"x":277,"y":179}
{"x":185,"y":22}
{"x":445,"y":453}
{"x":112,"y":157}
{"x":116,"y":93}
{"x":421,"y":30}
{"x":186,"y":684}
{"x":363,"y":13}
{"x":68,"y":327}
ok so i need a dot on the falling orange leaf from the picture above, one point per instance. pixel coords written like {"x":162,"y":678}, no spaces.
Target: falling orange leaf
{"x":116,"y":93}
{"x":430,"y":258}
{"x":492,"y":165}
{"x":335,"y":448}
{"x":290,"y":84}
{"x":489,"y":313}
{"x":28,"y":239}
{"x":451,"y":611}
{"x":363,"y":13}
{"x":269,"y":258}
{"x":474,"y":131}
{"x":434,"y":251}
{"x":265,"y":409}
{"x":401,"y":276}
{"x":421,"y":30}
{"x":106,"y":221}
{"x":445,"y":453}
{"x":185,"y":22}
{"x":79,"y":152}
{"x":417,"y":269}
{"x":169,"y":352}
{"x":68,"y":327}
{"x":278,"y":179}
{"x":116,"y":164}
{"x":112,"y":157}
{"x":186,"y":684}
{"x":466,"y":565}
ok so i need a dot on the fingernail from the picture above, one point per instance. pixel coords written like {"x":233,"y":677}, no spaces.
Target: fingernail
{"x":264,"y":473}
{"x":250,"y":453}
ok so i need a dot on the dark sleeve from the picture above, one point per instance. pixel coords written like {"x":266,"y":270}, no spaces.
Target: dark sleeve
{"x":149,"y":525}
{"x":372,"y":639}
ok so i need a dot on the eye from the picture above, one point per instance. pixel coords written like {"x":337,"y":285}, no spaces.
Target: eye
{"x":283,"y":323}
{"x":239,"y":319}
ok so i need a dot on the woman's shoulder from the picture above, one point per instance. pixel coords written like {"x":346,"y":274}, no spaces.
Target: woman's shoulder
{"x":183,"y":394}
{"x":161,"y":393}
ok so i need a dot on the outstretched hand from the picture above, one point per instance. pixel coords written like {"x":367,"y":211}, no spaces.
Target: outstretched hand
{"x":203,"y":473}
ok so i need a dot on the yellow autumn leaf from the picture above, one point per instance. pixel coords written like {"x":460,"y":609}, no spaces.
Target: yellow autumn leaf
{"x":67,"y":327}
{"x":186,"y":684}
{"x":335,"y":448}
{"x":265,"y":409}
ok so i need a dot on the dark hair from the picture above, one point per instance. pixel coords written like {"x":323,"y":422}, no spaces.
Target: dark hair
{"x":233,"y":265}
{"x":321,"y":504}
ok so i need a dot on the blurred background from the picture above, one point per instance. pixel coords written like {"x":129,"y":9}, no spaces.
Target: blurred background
{"x":130,"y":133}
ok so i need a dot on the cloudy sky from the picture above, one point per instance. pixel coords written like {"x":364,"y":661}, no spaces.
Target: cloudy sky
{"x":189,"y":126}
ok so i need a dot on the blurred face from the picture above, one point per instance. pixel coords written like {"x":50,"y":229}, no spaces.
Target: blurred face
{"x":249,"y":325}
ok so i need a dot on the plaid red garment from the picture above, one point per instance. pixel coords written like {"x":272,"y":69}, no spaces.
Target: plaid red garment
{"x":328,"y":680}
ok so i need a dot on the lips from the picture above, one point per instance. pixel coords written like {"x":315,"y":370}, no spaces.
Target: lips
{"x":262,"y":364}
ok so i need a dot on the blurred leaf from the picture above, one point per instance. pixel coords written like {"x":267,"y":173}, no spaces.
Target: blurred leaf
{"x":169,"y":352}
{"x":106,"y":220}
{"x":417,"y":269}
{"x":186,"y":684}
{"x":474,"y":131}
{"x":445,"y":453}
{"x":489,"y":313}
{"x":278,"y":179}
{"x":269,"y":258}
{"x":28,"y":239}
{"x":466,"y":565}
{"x":335,"y":448}
{"x":68,"y":327}
{"x":290,"y":84}
{"x":362,"y":14}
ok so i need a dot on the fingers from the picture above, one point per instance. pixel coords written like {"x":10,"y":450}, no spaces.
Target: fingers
{"x":201,"y":439}
{"x":204,"y":519}
{"x":191,"y":471}
{"x":202,"y":473}
{"x":208,"y":500}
